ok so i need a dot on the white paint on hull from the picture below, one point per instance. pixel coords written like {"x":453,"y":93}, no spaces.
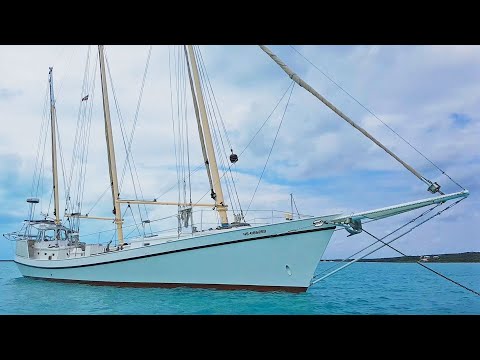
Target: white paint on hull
{"x":250,"y":256}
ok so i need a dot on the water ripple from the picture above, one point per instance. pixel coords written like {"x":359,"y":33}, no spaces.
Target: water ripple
{"x":365,"y":288}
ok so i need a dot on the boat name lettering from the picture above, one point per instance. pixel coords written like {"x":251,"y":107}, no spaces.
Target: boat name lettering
{"x":254,"y":232}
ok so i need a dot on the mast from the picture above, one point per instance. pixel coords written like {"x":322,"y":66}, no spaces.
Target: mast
{"x":199,"y":124}
{"x":53,"y":119}
{"x":433,"y":187}
{"x":217,"y":195}
{"x":112,"y":166}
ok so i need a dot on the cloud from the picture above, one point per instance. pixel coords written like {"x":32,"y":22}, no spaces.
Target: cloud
{"x":6,"y":94}
{"x":426,"y":93}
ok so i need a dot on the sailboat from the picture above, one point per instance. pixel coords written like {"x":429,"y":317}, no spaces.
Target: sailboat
{"x":234,"y":255}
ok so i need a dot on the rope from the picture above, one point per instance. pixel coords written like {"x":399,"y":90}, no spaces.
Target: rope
{"x":60,"y":150}
{"x":371,"y":112}
{"x":298,"y":213}
{"x":79,"y":129}
{"x":123,"y":132}
{"x":182,"y":113}
{"x":246,"y":147}
{"x":84,"y":144}
{"x":96,"y":202}
{"x":64,"y":75}
{"x":268,"y":118}
{"x":49,"y":203}
{"x":81,"y":141}
{"x":173,"y":122}
{"x":134,"y":221}
{"x":369,"y":246}
{"x":217,"y":111}
{"x":423,"y":265}
{"x":447,"y":278}
{"x":217,"y":135}
{"x":271,"y":149}
{"x":391,"y":241}
{"x":42,"y":161}
{"x":213,"y":95}
{"x":188,"y":143}
{"x":258,"y":131}
{"x":40,"y":141}
{"x":128,"y":151}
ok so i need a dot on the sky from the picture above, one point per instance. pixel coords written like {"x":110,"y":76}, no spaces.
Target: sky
{"x":427,"y":94}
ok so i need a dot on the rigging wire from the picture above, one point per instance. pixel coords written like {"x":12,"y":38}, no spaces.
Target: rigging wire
{"x":173,"y":119}
{"x":42,"y":169}
{"x":371,"y":112}
{"x":369,"y":246}
{"x":49,"y":203}
{"x":134,"y":221}
{"x":423,"y":265}
{"x":398,"y":237}
{"x":97,"y":201}
{"x":179,"y":78}
{"x":266,"y":120}
{"x":200,"y":57}
{"x":84,"y":141}
{"x":40,"y":141}
{"x":127,"y":226}
{"x":188,"y":151}
{"x":78,"y":131}
{"x":244,"y":149}
{"x":217,"y":136}
{"x":63,"y":76}
{"x":179,"y":138}
{"x":129,"y":160}
{"x":271,"y":149}
{"x":298,"y":213}
{"x":60,"y":150}
{"x":80,"y":145}
{"x":128,"y":149}
{"x":186,"y":127}
{"x":209,"y":88}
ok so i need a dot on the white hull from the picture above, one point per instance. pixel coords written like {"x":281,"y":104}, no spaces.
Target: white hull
{"x":279,"y":256}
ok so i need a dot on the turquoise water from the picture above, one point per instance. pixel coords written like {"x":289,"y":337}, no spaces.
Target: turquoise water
{"x":364,"y":288}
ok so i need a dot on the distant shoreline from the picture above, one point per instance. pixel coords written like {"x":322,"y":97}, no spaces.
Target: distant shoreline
{"x":466,"y":257}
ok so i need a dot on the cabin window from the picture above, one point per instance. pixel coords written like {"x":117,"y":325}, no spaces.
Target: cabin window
{"x":38,"y":253}
{"x":45,"y":253}
{"x":53,"y":254}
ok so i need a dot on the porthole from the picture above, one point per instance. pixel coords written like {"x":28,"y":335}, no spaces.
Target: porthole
{"x":289,"y":272}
